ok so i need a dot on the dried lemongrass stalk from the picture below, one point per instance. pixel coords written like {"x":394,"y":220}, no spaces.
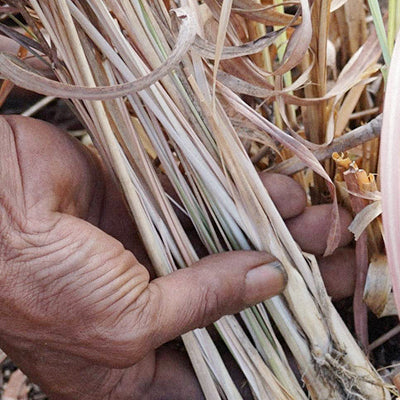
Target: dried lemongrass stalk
{"x":354,"y":179}
{"x":361,"y":188}
{"x":202,"y":155}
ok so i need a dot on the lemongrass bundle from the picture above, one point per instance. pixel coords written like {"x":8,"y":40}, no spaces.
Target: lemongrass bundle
{"x":141,"y":81}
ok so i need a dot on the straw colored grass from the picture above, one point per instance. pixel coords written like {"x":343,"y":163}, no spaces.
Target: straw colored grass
{"x":152,"y":87}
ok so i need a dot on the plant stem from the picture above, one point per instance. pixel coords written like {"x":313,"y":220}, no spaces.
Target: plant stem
{"x":380,"y":29}
{"x":352,"y":139}
{"x":393,"y":22}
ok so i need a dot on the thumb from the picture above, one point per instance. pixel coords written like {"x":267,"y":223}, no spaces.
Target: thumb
{"x":194,"y":297}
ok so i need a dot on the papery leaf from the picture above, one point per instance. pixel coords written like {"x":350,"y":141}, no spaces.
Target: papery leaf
{"x":298,"y":44}
{"x":378,"y":288}
{"x":221,"y":35}
{"x":364,"y":218}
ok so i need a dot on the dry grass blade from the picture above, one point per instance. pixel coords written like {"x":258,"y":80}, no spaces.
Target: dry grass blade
{"x":364,"y":218}
{"x":267,"y":15}
{"x":378,"y":293}
{"x":352,"y":178}
{"x":299,"y":42}
{"x":23,"y":40}
{"x":302,"y":152}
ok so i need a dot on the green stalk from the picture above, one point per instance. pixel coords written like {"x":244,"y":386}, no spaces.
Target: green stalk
{"x":380,"y":29}
{"x":393,"y":22}
{"x":23,"y":26}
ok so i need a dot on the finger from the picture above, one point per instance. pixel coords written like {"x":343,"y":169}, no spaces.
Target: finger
{"x":311,"y":228}
{"x":188,"y":299}
{"x":288,"y":195}
{"x":57,"y":172}
{"x":338,"y":273}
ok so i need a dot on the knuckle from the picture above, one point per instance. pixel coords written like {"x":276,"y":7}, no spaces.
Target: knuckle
{"x":206,"y":303}
{"x":212,"y":308}
{"x":220,"y":297}
{"x":127,"y":340}
{"x":149,"y":312}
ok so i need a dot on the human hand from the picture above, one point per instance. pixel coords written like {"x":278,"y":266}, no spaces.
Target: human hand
{"x":77,"y":311}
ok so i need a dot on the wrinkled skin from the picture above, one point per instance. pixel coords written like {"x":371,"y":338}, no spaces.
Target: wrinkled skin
{"x":78,"y":313}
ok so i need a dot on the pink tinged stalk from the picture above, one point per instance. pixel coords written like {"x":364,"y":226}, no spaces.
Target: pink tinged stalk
{"x":354,"y":179}
{"x":390,"y":170}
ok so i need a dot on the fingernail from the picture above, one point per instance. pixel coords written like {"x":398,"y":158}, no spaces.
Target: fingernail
{"x":265,"y":281}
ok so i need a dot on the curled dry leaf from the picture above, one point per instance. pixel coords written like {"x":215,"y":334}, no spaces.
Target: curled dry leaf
{"x":378,"y":288}
{"x":17,"y":72}
{"x":245,"y":78}
{"x":207,"y":49}
{"x":364,"y":218}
